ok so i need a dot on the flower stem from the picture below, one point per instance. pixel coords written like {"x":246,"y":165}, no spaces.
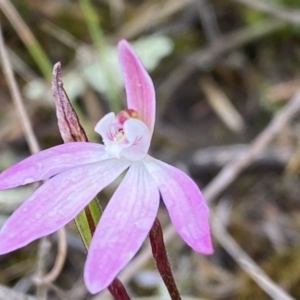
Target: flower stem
{"x":117,"y":290}
{"x":160,"y":255}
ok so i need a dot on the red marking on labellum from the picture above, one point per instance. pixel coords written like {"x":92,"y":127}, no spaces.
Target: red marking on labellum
{"x":126,"y":114}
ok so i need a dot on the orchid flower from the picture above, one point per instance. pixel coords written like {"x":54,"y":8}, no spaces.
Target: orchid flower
{"x":79,"y":171}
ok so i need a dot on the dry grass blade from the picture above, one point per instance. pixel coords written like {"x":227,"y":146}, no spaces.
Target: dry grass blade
{"x":59,"y":261}
{"x":149,"y":16}
{"x":61,"y":35}
{"x":117,"y":8}
{"x":279,"y":11}
{"x":246,"y":263}
{"x":282,"y":91}
{"x":222,"y":105}
{"x":27,"y":37}
{"x":15,"y":19}
{"x":219,"y":156}
{"x":21,"y":67}
{"x":16,"y":96}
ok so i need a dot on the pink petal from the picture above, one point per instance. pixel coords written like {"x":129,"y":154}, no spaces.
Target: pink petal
{"x":50,"y":162}
{"x":138,"y":84}
{"x":57,"y":202}
{"x":187,"y":208}
{"x":139,"y":138}
{"x":104,"y":127}
{"x":123,"y":227}
{"x":135,"y":143}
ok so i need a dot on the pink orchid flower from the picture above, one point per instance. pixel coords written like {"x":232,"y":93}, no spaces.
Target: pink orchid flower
{"x":79,"y":171}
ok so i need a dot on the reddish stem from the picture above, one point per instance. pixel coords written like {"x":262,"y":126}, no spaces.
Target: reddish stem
{"x":160,"y":255}
{"x":117,"y":290}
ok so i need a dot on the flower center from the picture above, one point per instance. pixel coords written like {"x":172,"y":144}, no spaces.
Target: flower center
{"x":117,"y":134}
{"x":124,"y":134}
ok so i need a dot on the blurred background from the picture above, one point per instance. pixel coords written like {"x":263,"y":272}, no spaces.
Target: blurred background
{"x":222,"y":70}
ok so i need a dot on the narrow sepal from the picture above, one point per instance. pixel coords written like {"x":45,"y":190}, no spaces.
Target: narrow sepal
{"x":50,"y":162}
{"x":57,"y":202}
{"x":123,"y":227}
{"x":187,"y":208}
{"x":138,"y":84}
